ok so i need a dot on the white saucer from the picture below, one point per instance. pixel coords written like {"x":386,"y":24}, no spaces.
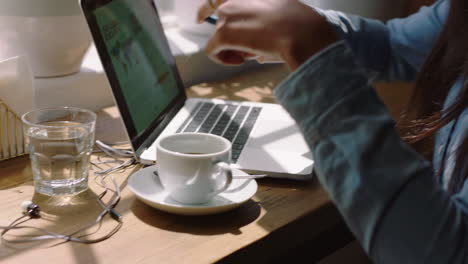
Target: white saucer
{"x":146,"y":186}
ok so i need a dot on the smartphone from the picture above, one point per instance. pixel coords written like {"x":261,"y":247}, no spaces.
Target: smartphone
{"x":212,"y":19}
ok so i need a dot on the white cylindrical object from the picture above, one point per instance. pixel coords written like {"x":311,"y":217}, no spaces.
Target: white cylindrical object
{"x":51,"y":33}
{"x":54,"y":46}
{"x":25,"y":205}
{"x":186,"y":13}
{"x":17,"y":85}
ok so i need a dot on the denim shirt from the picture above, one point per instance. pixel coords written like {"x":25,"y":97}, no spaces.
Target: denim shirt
{"x":384,"y":190}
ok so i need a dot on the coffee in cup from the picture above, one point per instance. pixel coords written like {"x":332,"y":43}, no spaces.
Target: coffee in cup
{"x":194,"y":167}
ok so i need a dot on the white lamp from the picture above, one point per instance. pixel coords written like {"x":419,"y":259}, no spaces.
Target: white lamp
{"x":51,"y":33}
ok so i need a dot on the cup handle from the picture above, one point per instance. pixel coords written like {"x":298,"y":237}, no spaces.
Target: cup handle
{"x":226,"y":170}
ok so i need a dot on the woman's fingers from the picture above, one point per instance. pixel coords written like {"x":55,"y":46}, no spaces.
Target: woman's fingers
{"x":207,"y":9}
{"x":226,"y":48}
{"x":204,"y":11}
{"x":273,"y":30}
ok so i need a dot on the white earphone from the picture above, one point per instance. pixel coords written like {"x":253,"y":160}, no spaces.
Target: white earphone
{"x":31,"y":209}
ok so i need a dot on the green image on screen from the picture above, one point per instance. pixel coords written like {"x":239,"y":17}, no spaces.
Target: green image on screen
{"x":145,"y":78}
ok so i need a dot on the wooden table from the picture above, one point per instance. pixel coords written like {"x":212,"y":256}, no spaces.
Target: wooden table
{"x":284,"y":220}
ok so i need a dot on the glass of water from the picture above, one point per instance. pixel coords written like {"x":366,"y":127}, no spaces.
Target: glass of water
{"x":60,"y":142}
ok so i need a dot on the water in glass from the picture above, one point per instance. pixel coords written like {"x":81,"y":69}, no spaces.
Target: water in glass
{"x":60,"y":157}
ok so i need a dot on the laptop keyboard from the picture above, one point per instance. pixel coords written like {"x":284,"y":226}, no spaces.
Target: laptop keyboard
{"x":231,"y":121}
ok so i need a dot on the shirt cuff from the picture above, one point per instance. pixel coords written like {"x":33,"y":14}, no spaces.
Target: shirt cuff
{"x":368,"y":38}
{"x":313,"y":93}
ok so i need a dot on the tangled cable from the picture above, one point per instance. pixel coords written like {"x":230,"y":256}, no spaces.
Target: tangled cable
{"x":32,"y":211}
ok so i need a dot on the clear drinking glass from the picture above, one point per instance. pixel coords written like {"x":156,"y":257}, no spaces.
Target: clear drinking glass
{"x":60,"y":141}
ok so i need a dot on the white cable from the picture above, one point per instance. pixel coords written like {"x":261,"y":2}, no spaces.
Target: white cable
{"x":109,"y":150}
{"x":107,"y":208}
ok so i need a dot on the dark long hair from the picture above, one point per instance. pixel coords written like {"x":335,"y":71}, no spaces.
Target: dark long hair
{"x":446,"y":64}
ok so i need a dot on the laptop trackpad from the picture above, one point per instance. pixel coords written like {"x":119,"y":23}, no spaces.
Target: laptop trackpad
{"x":276,"y":161}
{"x":276,"y":147}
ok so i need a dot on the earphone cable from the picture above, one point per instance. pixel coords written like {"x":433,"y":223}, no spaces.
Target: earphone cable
{"x":107,"y":208}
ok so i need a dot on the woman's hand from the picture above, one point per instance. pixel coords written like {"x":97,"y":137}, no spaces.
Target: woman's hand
{"x":283,"y":29}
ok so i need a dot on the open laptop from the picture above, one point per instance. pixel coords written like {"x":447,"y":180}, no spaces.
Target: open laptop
{"x":152,"y":101}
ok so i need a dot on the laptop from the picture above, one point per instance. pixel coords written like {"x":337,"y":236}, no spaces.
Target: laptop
{"x":152,"y":101}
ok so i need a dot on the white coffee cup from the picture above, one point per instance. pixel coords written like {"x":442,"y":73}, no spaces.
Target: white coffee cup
{"x":194,"y":167}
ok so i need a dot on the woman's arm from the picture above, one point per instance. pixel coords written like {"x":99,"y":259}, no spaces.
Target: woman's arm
{"x":292,"y":31}
{"x":384,"y":190}
{"x":284,"y":29}
{"x":394,"y":50}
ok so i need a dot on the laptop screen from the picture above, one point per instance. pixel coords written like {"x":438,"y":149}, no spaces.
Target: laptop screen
{"x":138,"y":63}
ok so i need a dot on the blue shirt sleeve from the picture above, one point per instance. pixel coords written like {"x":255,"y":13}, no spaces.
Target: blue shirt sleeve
{"x":394,"y":50}
{"x":384,"y":189}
